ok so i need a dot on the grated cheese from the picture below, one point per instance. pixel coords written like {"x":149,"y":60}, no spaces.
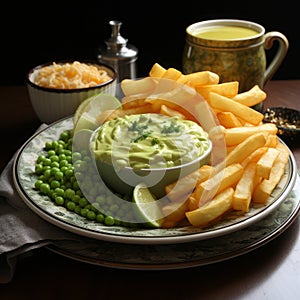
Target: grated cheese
{"x":70,"y":76}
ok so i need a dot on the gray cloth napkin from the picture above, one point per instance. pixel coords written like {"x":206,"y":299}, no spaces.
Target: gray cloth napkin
{"x":21,"y":230}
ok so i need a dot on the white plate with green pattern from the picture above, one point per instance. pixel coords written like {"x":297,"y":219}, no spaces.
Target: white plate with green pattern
{"x":24,"y":179}
{"x":186,"y":255}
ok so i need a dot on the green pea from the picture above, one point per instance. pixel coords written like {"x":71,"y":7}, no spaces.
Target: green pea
{"x":64,"y":169}
{"x":64,"y":136}
{"x":48,"y":145}
{"x":55,"y":164}
{"x":63,"y":163}
{"x":51,"y":153}
{"x":69,"y":172}
{"x":76,"y":156}
{"x":75,"y":198}
{"x":59,"y":200}
{"x":84,"y":212}
{"x":54,"y":170}
{"x":46,"y":168}
{"x":75,"y":186}
{"x":39,"y":168}
{"x":47,"y":161}
{"x":77,"y":209}
{"x":69,"y":193}
{"x":69,"y":159}
{"x":83,"y":202}
{"x":59,"y":191}
{"x":79,"y":193}
{"x":40,"y":158}
{"x":55,"y":184}
{"x":91,"y":215}
{"x":109,"y":220}
{"x":62,"y":156}
{"x":67,"y":152}
{"x":61,"y":142}
{"x":38,"y":184}
{"x":71,"y":205}
{"x":60,"y":148}
{"x":47,"y":174}
{"x":45,"y":188}
{"x":59,"y":175}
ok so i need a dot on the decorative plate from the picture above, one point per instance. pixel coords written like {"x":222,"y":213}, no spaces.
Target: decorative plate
{"x":186,"y":255}
{"x":24,"y":179}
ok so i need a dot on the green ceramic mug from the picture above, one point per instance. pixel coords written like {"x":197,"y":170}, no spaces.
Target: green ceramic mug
{"x":234,"y":49}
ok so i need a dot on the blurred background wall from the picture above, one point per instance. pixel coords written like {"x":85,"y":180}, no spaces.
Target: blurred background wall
{"x":34,"y":34}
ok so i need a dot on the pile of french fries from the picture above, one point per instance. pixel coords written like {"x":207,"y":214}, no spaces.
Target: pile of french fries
{"x":248,"y":160}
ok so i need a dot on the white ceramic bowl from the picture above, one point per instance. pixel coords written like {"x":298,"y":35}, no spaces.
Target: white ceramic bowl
{"x":52,"y":104}
{"x":156,"y":179}
{"x":124,"y":180}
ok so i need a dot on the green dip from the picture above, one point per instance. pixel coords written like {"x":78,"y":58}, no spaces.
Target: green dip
{"x":149,"y":140}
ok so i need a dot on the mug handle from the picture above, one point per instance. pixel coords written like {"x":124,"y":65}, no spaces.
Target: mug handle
{"x":270,"y":37}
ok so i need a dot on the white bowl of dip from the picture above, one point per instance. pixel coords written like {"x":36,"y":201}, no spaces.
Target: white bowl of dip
{"x":151,"y":148}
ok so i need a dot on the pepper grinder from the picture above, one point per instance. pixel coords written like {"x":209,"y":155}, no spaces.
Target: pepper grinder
{"x":118,"y":54}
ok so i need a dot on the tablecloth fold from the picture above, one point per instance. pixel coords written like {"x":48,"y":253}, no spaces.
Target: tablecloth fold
{"x":22,"y":230}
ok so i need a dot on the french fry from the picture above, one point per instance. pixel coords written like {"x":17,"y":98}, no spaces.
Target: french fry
{"x":182,"y":98}
{"x":265,"y":163}
{"x":177,"y":94}
{"x":243,"y":191}
{"x":251,"y":97}
{"x":133,"y":101}
{"x":254,"y":156}
{"x":174,"y":212}
{"x":185,"y":185}
{"x":171,"y":73}
{"x":228,"y":119}
{"x":272,"y":140}
{"x":167,"y":106}
{"x":157,"y":70}
{"x":244,"y":112}
{"x":207,"y":189}
{"x":200,"y":78}
{"x":165,"y":110}
{"x":245,"y":148}
{"x":228,"y":89}
{"x":145,"y":85}
{"x":219,"y":150}
{"x":212,"y":210}
{"x":236,"y":135}
{"x":229,"y":149}
{"x":264,"y":189}
{"x":205,"y":116}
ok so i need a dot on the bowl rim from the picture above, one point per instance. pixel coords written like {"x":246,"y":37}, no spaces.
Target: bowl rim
{"x":77,"y":90}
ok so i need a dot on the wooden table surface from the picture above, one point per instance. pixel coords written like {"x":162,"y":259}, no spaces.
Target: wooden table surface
{"x":271,"y":271}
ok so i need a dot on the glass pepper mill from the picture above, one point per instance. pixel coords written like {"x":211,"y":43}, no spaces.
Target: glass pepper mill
{"x":118,"y":54}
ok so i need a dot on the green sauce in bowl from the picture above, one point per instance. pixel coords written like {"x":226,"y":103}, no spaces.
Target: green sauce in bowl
{"x":149,"y":141}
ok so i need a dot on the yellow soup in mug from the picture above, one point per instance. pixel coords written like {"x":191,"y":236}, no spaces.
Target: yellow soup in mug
{"x":226,"y":32}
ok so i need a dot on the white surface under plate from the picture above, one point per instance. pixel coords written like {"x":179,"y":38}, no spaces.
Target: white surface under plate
{"x":24,"y":179}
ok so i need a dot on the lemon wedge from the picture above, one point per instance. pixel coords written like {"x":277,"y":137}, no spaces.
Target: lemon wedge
{"x":147,"y":207}
{"x":88,"y":110}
